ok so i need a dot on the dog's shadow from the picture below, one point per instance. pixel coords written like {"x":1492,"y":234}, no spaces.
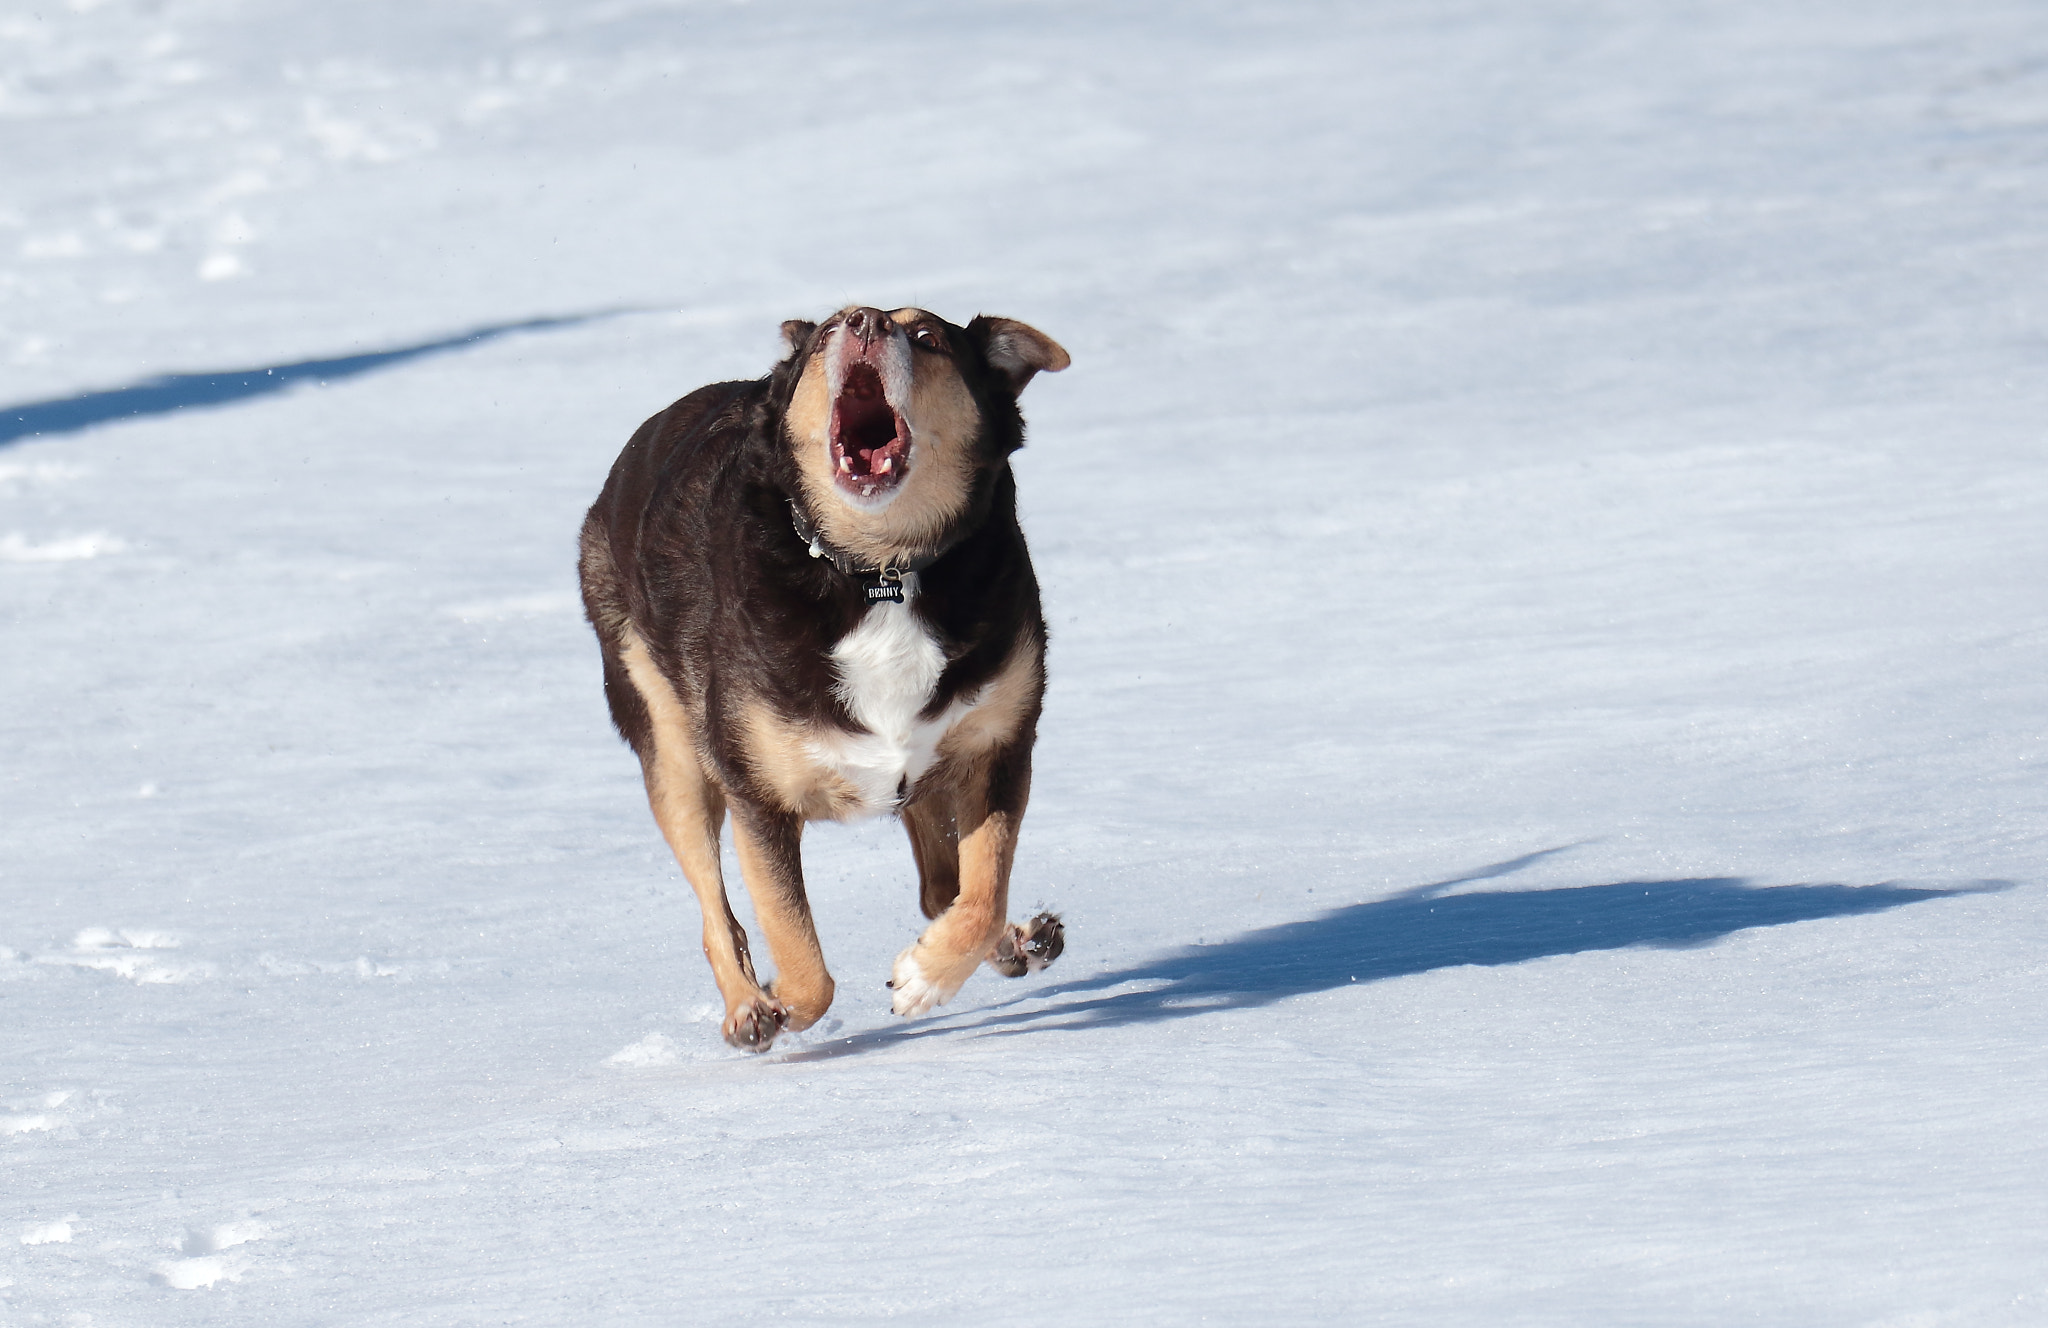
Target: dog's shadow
{"x":1414,"y":932}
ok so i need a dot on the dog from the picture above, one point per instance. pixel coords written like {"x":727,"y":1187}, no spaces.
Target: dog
{"x":814,"y":602}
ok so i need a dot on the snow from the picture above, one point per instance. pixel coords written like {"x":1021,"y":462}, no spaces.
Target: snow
{"x":1544,"y":769}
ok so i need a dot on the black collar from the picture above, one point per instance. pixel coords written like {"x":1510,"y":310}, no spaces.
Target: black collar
{"x":879,"y":584}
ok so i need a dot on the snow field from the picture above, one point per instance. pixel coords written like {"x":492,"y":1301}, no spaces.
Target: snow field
{"x":1544,"y":765}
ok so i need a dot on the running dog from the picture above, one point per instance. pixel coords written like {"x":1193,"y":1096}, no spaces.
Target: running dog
{"x":814,"y":602}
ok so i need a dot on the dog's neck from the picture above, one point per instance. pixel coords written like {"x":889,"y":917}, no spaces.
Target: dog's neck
{"x":879,"y":575}
{"x":910,"y":536}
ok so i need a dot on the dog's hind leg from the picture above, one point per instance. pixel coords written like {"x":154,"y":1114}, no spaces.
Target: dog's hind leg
{"x":988,"y":805}
{"x":935,"y":844}
{"x":770,"y":850}
{"x":690,"y":810}
{"x":1027,"y":947}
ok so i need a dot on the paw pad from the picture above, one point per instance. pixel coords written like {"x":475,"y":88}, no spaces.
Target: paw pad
{"x":1030,"y":947}
{"x":754,"y":1025}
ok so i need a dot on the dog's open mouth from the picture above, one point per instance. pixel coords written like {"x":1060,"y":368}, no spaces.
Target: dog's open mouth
{"x":870,"y":442}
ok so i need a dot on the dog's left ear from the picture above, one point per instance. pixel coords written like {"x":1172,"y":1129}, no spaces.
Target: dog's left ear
{"x":795,"y":333}
{"x":1017,"y":349}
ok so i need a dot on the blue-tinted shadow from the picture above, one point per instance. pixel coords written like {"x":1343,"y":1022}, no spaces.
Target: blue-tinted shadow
{"x":1417,"y":932}
{"x":191,"y":391}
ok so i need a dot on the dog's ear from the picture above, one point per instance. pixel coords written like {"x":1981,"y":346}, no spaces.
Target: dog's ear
{"x":796,"y":333}
{"x":1016,"y":349}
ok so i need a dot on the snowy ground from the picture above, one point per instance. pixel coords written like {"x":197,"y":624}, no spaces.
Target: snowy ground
{"x":1545,"y":768}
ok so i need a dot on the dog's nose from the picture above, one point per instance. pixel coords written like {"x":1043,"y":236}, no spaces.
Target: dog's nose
{"x":867,"y":324}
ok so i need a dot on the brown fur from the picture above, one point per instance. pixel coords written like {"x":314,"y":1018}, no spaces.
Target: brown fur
{"x":718,"y":633}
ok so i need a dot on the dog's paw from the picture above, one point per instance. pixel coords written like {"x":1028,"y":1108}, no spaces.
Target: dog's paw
{"x":753,"y":1024}
{"x":921,"y":984}
{"x":1029,"y":947}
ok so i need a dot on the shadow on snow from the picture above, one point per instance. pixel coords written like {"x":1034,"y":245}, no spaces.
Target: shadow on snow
{"x":1415,"y":932}
{"x":170,"y":392}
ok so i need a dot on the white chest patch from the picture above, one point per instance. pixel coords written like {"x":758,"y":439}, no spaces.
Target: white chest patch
{"x":888,"y":666}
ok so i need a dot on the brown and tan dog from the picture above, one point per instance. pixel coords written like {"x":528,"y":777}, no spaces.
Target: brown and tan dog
{"x":814,"y":603}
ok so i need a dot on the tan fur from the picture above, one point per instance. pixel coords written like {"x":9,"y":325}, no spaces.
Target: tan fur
{"x":964,"y":851}
{"x":987,"y":852}
{"x":690,"y":809}
{"x":965,"y":934}
{"x":1005,"y":700}
{"x":943,"y":424}
{"x":781,"y":758}
{"x":801,"y":982}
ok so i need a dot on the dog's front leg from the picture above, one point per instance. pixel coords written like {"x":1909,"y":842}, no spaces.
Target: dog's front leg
{"x":770,"y":846}
{"x":988,"y":806}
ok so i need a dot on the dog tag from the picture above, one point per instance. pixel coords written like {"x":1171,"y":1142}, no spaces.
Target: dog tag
{"x":884,"y":585}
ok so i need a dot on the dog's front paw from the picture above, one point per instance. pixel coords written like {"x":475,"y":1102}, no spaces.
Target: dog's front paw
{"x":921,"y":982}
{"x":752,"y":1024}
{"x":1029,"y":947}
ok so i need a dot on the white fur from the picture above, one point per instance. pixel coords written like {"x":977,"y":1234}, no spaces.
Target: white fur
{"x":916,"y":992}
{"x":893,"y":365}
{"x":888,"y":666}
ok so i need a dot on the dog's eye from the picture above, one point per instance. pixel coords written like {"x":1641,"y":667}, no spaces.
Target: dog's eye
{"x":928,"y":339}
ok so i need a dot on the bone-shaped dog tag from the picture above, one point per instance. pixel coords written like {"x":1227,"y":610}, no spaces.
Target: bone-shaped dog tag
{"x":884,"y":586}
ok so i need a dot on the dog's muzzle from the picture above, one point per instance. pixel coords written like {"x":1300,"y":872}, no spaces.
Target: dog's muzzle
{"x":870,"y":441}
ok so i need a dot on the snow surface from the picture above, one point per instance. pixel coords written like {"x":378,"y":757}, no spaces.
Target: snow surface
{"x":1544,"y":769}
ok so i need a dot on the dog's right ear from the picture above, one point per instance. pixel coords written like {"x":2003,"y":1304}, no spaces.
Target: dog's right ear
{"x":796,"y":334}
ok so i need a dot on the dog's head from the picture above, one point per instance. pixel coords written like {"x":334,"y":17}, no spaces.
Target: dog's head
{"x":896,"y":422}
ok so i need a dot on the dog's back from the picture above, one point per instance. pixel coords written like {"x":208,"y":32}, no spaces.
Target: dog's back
{"x":669,"y":456}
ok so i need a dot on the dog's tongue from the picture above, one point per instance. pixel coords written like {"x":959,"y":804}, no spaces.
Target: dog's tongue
{"x":866,"y":432}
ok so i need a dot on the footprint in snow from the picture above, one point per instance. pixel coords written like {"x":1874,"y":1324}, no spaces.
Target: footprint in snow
{"x":211,"y":1255}
{"x":653,"y":1050}
{"x":36,"y":1115}
{"x":658,"y":1049}
{"x":362,"y":966}
{"x":50,"y":1233}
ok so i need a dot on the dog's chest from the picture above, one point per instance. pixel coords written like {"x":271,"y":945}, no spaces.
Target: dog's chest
{"x":888,"y":667}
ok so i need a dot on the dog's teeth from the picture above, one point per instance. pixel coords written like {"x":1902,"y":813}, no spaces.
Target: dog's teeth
{"x":888,"y":464}
{"x":845,"y":464}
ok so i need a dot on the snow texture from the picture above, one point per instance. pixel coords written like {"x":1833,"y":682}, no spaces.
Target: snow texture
{"x":1544,"y":768}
